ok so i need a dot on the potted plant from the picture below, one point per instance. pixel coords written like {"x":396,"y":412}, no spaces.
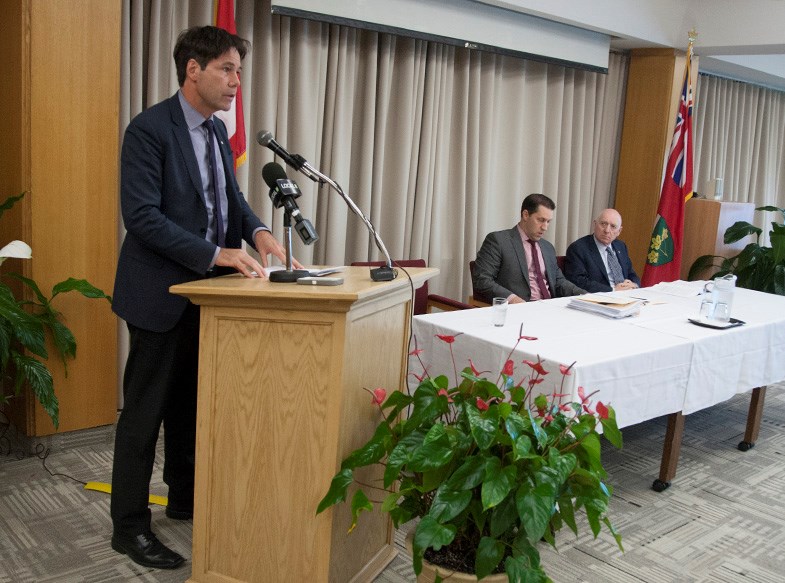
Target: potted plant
{"x":25,"y":324}
{"x":756,"y":267}
{"x":490,"y":468}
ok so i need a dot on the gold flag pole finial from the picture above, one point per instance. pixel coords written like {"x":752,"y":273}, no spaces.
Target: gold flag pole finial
{"x":692,"y":36}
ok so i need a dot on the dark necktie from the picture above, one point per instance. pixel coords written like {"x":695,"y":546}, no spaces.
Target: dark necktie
{"x":544,"y":293}
{"x":614,"y":267}
{"x":220,"y":235}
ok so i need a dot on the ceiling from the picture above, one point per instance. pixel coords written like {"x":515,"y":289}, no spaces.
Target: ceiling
{"x":739,"y":39}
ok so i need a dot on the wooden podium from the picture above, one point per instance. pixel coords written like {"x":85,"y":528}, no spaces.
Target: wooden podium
{"x":281,"y":374}
{"x":705,"y":223}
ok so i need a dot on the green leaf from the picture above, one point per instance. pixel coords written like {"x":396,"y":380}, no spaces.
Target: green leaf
{"x":522,"y":448}
{"x":611,"y":430}
{"x":519,"y":571}
{"x":499,"y":481}
{"x":489,"y":554}
{"x":26,"y":327}
{"x":430,"y":534}
{"x":372,"y":451}
{"x":399,"y":456}
{"x":515,"y":425}
{"x":337,"y":492}
{"x":616,"y":535}
{"x":539,"y":434}
{"x":567,"y":512}
{"x":590,"y":444}
{"x":541,"y":402}
{"x":427,"y":406}
{"x":9,"y":202}
{"x":435,"y":451}
{"x":390,"y":501}
{"x":447,"y":504}
{"x":39,"y":379}
{"x":535,"y":507}
{"x":360,"y":503}
{"x":82,"y":286}
{"x":562,"y":464}
{"x":469,"y":475}
{"x":740,"y":229}
{"x":483,"y":425}
{"x":504,"y":517}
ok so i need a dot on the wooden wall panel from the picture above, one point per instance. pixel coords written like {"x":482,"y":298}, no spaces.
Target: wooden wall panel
{"x":68,"y":131}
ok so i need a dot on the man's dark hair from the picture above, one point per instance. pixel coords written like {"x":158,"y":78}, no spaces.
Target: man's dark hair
{"x":531,"y":202}
{"x":203,"y":44}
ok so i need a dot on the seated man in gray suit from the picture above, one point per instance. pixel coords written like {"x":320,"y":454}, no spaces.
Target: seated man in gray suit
{"x":518,"y":264}
{"x":600,"y":262}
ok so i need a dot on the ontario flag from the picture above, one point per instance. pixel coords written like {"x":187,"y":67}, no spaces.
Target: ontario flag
{"x":663,"y":261}
{"x":234,"y":120}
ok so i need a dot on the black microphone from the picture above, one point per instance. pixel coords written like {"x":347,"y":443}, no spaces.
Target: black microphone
{"x":265,"y":138}
{"x":283,"y":191}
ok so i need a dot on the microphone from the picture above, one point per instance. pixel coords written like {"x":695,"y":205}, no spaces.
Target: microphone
{"x":283,"y":191}
{"x":265,"y":139}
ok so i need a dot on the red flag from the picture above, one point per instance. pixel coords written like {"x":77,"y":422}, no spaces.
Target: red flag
{"x":235,"y":123}
{"x":663,"y":261}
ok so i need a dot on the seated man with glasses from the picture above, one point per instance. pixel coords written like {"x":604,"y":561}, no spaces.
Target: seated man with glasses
{"x":600,"y":262}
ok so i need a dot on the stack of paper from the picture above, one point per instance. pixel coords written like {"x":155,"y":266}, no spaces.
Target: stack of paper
{"x":606,"y":305}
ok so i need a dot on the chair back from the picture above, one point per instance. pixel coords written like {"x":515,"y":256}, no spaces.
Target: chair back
{"x":477,"y":298}
{"x":560,"y":261}
{"x":420,"y":294}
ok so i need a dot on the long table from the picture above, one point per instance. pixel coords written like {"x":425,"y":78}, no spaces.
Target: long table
{"x":653,"y":364}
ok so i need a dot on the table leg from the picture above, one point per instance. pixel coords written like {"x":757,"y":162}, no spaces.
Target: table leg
{"x":670,"y":452}
{"x":753,"y":419}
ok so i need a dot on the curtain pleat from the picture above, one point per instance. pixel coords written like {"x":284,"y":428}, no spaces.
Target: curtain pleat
{"x":740,"y":137}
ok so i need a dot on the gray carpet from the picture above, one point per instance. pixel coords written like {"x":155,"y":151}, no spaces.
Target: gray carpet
{"x":723,"y":520}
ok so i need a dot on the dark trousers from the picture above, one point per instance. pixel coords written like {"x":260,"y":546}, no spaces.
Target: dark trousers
{"x":159,"y":386}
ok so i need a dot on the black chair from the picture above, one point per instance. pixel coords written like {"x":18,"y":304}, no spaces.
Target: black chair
{"x":476,"y":299}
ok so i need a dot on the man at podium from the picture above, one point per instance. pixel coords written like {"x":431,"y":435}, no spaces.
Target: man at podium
{"x":185,"y":219}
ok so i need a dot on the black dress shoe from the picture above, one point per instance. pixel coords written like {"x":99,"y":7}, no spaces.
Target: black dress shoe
{"x":179,"y":514}
{"x":146,"y":550}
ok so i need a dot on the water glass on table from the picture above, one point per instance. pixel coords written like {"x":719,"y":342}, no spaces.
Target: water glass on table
{"x":499,"y":311}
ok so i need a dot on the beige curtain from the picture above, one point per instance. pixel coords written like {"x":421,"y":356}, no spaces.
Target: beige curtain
{"x":740,"y":137}
{"x":437,"y":145}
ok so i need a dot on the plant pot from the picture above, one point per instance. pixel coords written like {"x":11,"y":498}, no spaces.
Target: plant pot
{"x":429,"y":571}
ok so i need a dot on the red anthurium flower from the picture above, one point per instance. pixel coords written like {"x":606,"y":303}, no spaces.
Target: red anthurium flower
{"x":527,"y":338}
{"x":508,"y":368}
{"x":559,"y":395}
{"x":482,"y":405}
{"x":588,"y":410}
{"x":549,"y":417}
{"x":581,"y":394}
{"x":416,"y":352}
{"x":446,"y":394}
{"x":536,"y":381}
{"x":602,"y":410}
{"x":536,"y":366}
{"x":565,"y":370}
{"x":447,"y":338}
{"x":379,"y":395}
{"x":418,"y":377}
{"x":475,"y":372}
{"x":564,"y":407}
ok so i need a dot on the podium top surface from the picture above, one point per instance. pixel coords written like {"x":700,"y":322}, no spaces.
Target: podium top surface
{"x":357,"y":286}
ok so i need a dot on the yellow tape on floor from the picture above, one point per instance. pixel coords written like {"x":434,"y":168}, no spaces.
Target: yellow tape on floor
{"x":103,"y":487}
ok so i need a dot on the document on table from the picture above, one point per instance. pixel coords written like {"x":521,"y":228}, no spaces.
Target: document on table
{"x":609,"y":306}
{"x":680,"y":288}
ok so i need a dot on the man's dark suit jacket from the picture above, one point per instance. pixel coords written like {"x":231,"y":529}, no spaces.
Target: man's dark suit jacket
{"x":584,"y":265}
{"x":166,"y":218}
{"x":501,"y":268}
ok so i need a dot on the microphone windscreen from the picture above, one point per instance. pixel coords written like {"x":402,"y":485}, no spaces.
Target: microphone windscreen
{"x":264,"y":137}
{"x":271,"y":172}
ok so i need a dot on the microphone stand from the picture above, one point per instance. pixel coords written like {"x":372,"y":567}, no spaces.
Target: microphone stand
{"x":289,"y":275}
{"x":383,"y":273}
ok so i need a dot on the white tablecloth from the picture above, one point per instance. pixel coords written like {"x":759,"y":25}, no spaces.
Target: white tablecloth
{"x":645,"y":366}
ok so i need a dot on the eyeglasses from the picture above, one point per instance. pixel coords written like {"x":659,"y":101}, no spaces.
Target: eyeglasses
{"x":606,"y":224}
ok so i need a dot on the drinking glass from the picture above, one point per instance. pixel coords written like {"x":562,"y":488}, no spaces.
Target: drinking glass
{"x":499,"y":311}
{"x":707,"y":309}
